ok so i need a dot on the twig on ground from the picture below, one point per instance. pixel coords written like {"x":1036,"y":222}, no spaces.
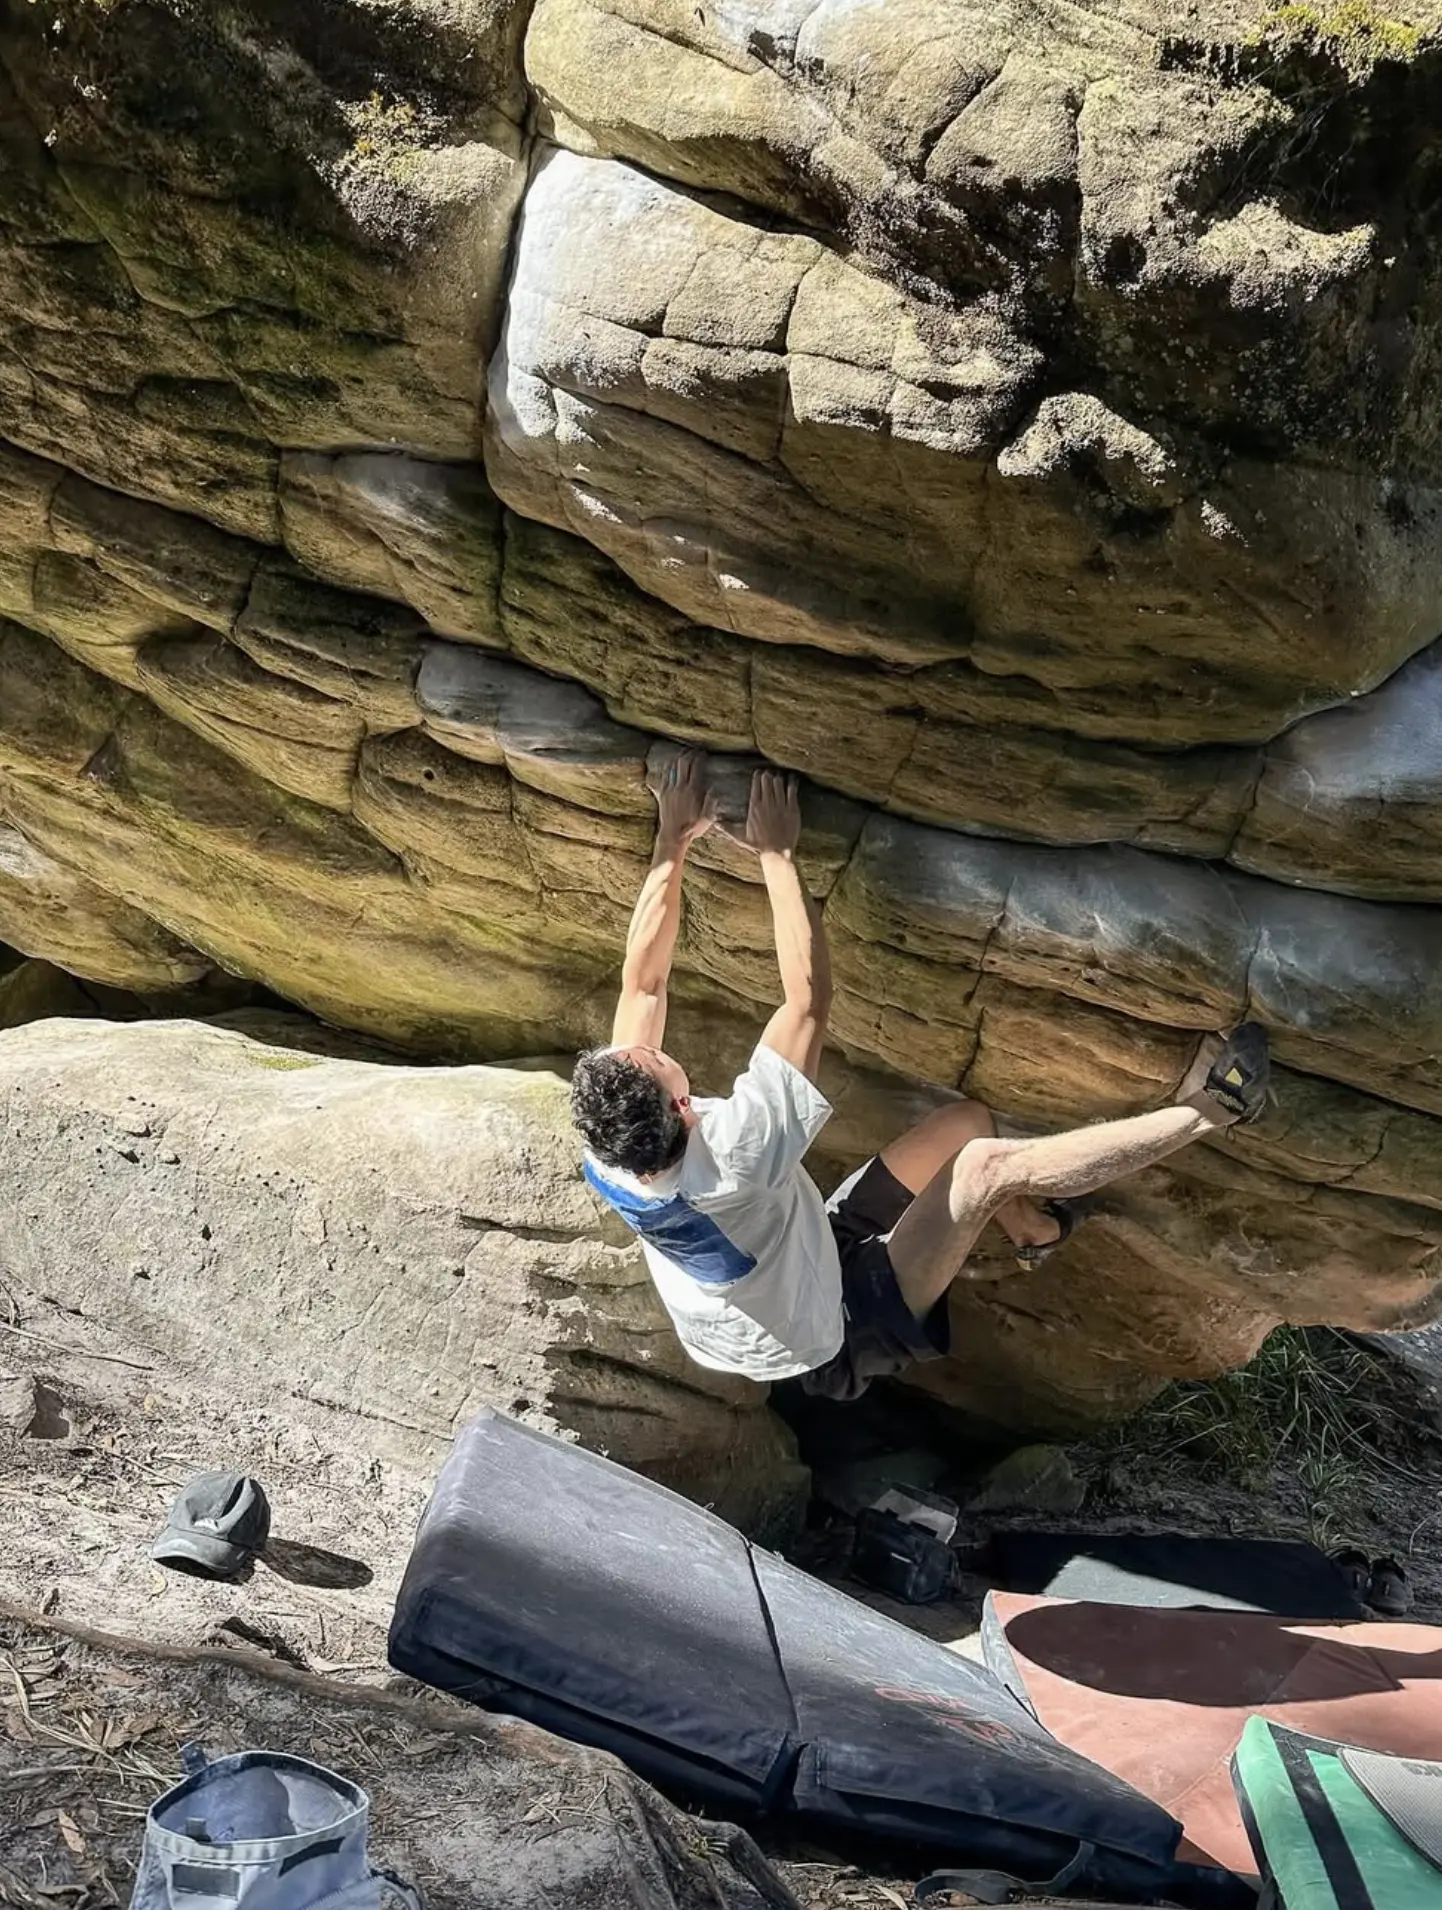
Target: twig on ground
{"x":79,"y":1352}
{"x":41,"y":1770}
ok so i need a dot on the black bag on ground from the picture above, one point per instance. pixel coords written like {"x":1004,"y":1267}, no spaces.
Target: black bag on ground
{"x":551,"y":1584}
{"x":899,"y":1558}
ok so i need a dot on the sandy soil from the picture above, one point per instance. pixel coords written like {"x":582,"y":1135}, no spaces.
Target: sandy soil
{"x":479,"y":1813}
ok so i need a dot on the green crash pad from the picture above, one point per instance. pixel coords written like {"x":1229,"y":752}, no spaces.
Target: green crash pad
{"x":1321,"y":1840}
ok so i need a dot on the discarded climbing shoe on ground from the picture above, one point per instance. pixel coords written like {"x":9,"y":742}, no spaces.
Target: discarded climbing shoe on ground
{"x":1356,"y":1570}
{"x":261,"y":1830}
{"x":1388,"y":1591}
{"x":216,"y":1526}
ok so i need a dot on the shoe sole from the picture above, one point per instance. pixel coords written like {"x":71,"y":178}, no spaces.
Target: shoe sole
{"x":1241,"y":1074}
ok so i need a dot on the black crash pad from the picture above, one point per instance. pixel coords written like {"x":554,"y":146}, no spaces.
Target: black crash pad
{"x":1166,"y":1570}
{"x":548,"y":1583}
{"x":552,"y":1584}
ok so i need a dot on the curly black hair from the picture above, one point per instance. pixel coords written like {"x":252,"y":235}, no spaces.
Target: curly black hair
{"x":624,"y":1114}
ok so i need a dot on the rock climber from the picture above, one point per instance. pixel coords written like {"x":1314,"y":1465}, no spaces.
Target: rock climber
{"x":759,"y":1274}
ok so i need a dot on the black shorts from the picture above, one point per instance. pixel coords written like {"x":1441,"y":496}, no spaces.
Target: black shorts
{"x":883,"y":1335}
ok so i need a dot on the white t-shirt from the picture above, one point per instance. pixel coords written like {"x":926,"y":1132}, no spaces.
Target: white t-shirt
{"x":735,"y":1234}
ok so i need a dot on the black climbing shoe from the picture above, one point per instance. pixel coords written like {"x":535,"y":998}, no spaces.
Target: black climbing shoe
{"x":1066,"y":1213}
{"x":1387,"y":1589}
{"x":1356,"y":1570}
{"x":1242,"y":1073}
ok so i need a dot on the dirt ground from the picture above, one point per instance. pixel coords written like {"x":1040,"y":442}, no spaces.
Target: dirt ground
{"x":478,"y":1813}
{"x":472,"y":1810}
{"x":90,"y":1731}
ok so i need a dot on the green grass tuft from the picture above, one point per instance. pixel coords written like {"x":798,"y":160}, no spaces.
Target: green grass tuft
{"x":1307,"y":1409}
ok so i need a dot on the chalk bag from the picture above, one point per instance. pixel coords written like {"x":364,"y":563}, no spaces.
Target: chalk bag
{"x":261,"y":1831}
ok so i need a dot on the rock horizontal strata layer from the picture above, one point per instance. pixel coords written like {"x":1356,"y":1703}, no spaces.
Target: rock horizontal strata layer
{"x":418,"y":419}
{"x":515,"y":789}
{"x":807,"y":455}
{"x":1346,"y":800}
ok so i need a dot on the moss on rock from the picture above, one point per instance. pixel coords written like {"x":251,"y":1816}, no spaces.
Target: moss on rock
{"x":1353,"y":36}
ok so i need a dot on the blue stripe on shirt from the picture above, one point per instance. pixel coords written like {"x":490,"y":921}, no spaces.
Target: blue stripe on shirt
{"x":690,"y":1239}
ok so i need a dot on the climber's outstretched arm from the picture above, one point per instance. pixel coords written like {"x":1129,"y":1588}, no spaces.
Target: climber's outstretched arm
{"x":773,"y":826}
{"x":685,"y":811}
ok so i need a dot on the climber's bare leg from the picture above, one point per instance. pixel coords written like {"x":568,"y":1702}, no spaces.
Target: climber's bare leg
{"x":918,"y":1156}
{"x":941,"y":1226}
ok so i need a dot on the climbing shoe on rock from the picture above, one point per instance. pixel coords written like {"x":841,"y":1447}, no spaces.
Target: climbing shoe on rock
{"x":216,"y":1526}
{"x":1242,"y":1073}
{"x":1066,"y":1214}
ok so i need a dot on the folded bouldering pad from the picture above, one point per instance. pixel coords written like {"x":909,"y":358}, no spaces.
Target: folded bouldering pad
{"x":1334,"y":1828}
{"x":551,"y":1584}
{"x":1284,"y":1576}
{"x":1161,"y":1697}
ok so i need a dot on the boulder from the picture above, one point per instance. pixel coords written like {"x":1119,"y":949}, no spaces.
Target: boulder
{"x":1120,"y":555}
{"x":424,"y":532}
{"x":420,"y":417}
{"x":406,"y":1243}
{"x":1350,"y":800}
{"x":1035,"y":1479}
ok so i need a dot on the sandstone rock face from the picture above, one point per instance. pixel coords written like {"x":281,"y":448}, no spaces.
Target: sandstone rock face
{"x":408,"y":1243}
{"x":418,"y":416}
